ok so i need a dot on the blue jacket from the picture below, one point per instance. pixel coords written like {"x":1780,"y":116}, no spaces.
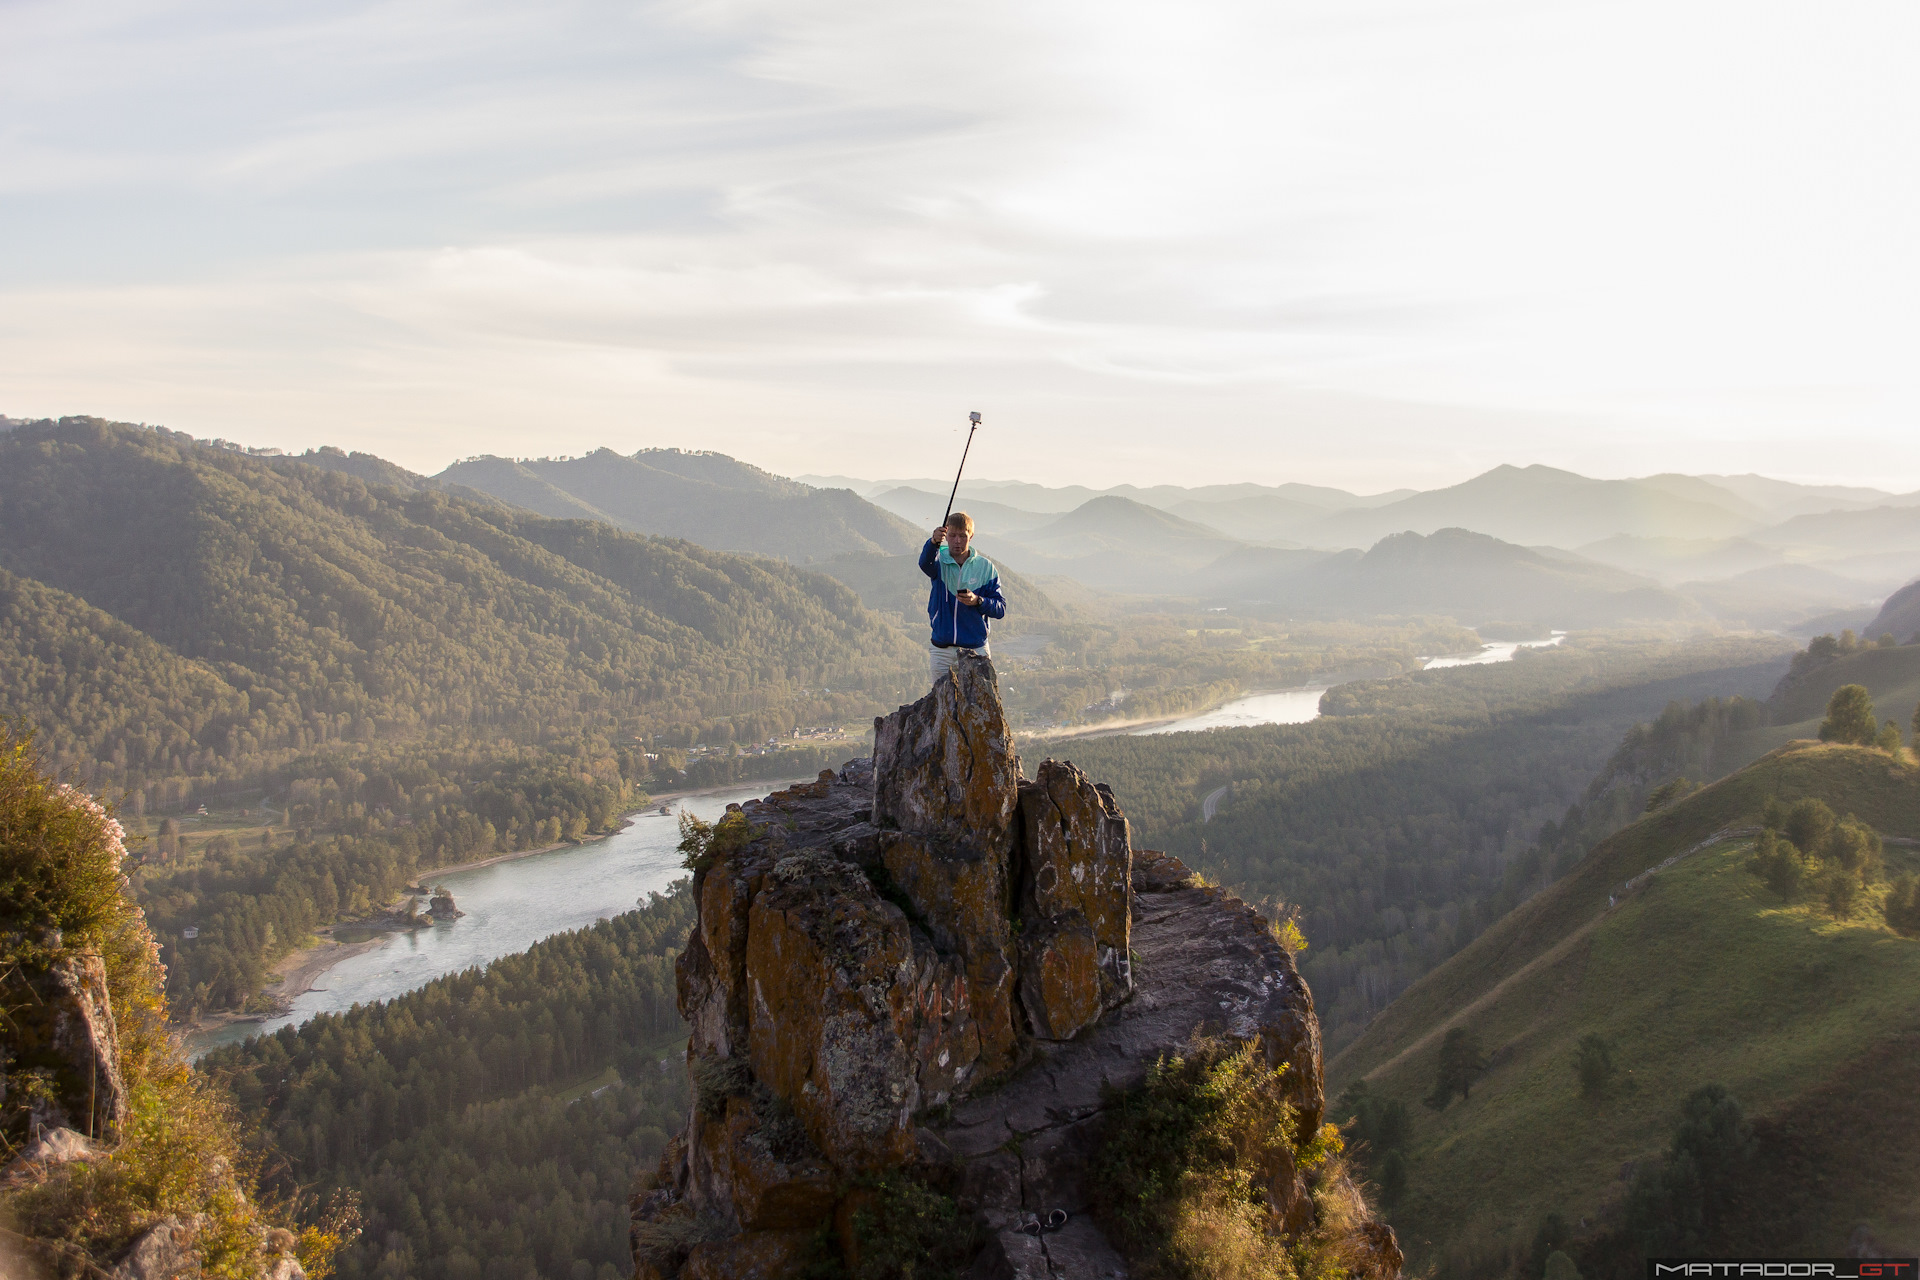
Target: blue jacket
{"x":954,"y":623}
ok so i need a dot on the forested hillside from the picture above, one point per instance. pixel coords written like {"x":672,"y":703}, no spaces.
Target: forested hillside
{"x":322,"y":609}
{"x":1416,"y":811}
{"x":409,"y":678}
{"x":491,"y":1121}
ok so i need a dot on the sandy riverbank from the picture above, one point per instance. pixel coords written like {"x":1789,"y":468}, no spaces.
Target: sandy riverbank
{"x":298,"y":971}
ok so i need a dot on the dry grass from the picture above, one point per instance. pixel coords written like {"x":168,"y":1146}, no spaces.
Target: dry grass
{"x":1186,"y":1176}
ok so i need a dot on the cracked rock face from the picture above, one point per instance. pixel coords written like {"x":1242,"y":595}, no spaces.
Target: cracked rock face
{"x":1078,"y":862}
{"x":62,"y":1021}
{"x":831,"y":1008}
{"x":899,"y":935}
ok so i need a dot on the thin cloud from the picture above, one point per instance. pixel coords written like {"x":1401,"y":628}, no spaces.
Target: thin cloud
{"x":1619,"y":236}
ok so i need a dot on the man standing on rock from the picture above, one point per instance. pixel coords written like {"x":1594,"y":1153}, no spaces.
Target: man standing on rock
{"x":965,"y":595}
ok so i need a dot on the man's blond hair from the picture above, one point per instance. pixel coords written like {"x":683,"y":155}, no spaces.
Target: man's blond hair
{"x":961,"y":520}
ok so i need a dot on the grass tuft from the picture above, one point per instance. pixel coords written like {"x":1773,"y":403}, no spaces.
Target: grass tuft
{"x":1195,"y":1160}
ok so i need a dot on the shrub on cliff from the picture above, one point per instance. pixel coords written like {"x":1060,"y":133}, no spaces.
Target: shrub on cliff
{"x":1185,"y":1177}
{"x":703,"y":842}
{"x":62,"y":893}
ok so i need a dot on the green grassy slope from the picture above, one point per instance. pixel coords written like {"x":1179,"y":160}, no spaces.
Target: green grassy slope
{"x":1699,"y":975}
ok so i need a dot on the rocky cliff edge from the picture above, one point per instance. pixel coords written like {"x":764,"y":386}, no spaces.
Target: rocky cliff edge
{"x":925,"y":964}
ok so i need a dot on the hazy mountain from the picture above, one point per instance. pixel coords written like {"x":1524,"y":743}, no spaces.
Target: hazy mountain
{"x":1169,"y":496}
{"x":1265,"y":517}
{"x":923,"y":509}
{"x":867,"y":488}
{"x":1778,"y":596}
{"x":1900,"y":615}
{"x":1870,"y":531}
{"x":1695,"y":489}
{"x":1059,"y":500}
{"x":1469,"y":576}
{"x":1669,"y":526}
{"x":1532,"y":505}
{"x":1117,"y":544}
{"x":1782,"y":499}
{"x":706,"y":498}
{"x":1674,"y":560}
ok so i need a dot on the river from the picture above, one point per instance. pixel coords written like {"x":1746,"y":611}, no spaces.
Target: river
{"x":1297,"y":706}
{"x":1287,"y":706}
{"x":509,"y":906}
{"x":1497,"y":652}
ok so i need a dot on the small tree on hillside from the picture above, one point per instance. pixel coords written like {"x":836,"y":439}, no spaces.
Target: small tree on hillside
{"x":1916,"y":722}
{"x":1593,"y":1063}
{"x":1809,"y":825}
{"x":1785,"y":869}
{"x":1850,"y":717}
{"x":1461,"y":1063}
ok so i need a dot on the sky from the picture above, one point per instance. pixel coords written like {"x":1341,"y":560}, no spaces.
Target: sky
{"x":1371,"y":243}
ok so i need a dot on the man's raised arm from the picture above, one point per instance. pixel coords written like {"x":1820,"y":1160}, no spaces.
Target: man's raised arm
{"x":930,"y":554}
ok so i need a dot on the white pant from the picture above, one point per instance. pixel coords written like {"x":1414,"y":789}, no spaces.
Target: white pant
{"x":940,"y":661}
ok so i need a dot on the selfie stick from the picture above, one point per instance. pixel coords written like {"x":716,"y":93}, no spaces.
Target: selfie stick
{"x":974,"y":419}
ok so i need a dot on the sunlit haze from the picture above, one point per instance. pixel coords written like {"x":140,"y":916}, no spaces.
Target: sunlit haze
{"x":1370,"y":243}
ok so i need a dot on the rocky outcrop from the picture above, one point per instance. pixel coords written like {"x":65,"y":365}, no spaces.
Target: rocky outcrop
{"x":875,"y":949}
{"x":61,"y":1032}
{"x":165,"y":1251}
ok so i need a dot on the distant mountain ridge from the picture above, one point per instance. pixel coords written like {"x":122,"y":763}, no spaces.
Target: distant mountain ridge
{"x":1532,"y":505}
{"x":708,"y":498}
{"x":1753,"y":551}
{"x":1471,"y":576}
